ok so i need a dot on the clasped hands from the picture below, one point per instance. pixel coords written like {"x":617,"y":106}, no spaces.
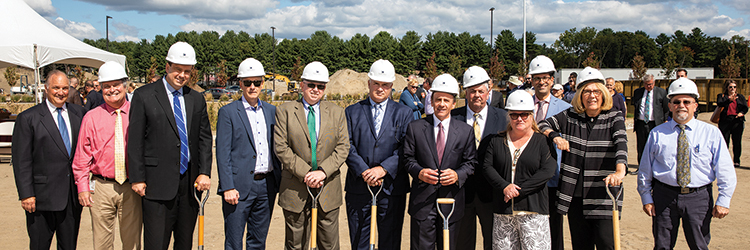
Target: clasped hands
{"x":433,"y":176}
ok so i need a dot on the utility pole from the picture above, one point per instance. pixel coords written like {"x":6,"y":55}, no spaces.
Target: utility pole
{"x":492,"y":39}
{"x":273,"y":76}
{"x":107,"y":21}
{"x":524,"y":31}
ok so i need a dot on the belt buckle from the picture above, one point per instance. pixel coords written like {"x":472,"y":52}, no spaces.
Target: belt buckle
{"x":684,"y":190}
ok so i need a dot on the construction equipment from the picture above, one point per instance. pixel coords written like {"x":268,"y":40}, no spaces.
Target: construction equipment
{"x":373,"y":214}
{"x":202,"y":203}
{"x":446,"y":230}
{"x":615,"y":216}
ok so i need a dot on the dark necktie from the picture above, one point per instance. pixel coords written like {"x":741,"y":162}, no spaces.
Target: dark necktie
{"x":313,"y":137}
{"x":683,"y":158}
{"x":63,"y":129}
{"x":182,"y":129}
{"x":647,"y":108}
{"x":440,"y":143}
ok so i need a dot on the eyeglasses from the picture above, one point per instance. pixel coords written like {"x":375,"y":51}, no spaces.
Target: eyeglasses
{"x":732,"y":87}
{"x":685,"y":102}
{"x":514,"y":116}
{"x":319,"y":86}
{"x":412,"y":87}
{"x":538,"y":79}
{"x":257,"y":83}
{"x":592,"y":92}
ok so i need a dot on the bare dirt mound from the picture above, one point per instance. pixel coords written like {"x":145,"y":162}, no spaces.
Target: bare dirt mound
{"x":347,"y":81}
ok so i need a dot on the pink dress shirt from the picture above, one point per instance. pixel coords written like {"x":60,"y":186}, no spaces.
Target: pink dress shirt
{"x":95,"y":152}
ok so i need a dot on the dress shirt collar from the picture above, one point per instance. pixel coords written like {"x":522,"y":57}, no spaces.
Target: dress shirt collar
{"x":546,"y":100}
{"x":170,"y":90}
{"x":307,"y":105}
{"x":382,"y":104}
{"x":53,"y":109}
{"x":689,"y":126}
{"x":123,"y":109}
{"x":247,"y":105}
{"x":470,"y":113}
{"x":446,"y":122}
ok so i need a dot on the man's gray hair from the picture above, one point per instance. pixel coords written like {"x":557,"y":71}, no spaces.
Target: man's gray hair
{"x":648,"y":77}
{"x":609,"y":78}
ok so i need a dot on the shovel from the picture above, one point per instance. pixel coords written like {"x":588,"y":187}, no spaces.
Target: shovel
{"x":202,"y":203}
{"x":615,"y":216}
{"x":373,"y":214}
{"x":446,"y":231}
{"x":314,"y":211}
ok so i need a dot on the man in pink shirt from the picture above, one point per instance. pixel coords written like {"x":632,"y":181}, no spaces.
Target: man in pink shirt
{"x":101,"y":152}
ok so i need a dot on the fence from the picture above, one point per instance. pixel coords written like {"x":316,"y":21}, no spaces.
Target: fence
{"x":707,"y":88}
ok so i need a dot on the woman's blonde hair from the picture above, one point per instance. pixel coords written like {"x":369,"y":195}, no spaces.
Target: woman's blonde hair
{"x":606,"y":97}
{"x":618,"y":86}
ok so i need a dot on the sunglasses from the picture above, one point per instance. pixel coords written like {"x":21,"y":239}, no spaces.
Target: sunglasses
{"x":685,"y":102}
{"x":319,"y":86}
{"x":732,"y":87}
{"x":257,"y":83}
{"x":523,"y":116}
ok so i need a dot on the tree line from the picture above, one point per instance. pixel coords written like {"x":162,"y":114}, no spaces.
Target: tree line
{"x":441,"y":51}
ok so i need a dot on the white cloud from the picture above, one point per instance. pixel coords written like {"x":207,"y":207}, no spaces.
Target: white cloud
{"x":43,"y":7}
{"x":194,"y":9}
{"x":78,"y":30}
{"x":125,"y":38}
{"x":731,"y":33}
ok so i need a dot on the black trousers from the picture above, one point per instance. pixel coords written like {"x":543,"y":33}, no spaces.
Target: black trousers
{"x":163,"y":218}
{"x":587,"y":233}
{"x":42,"y":225}
{"x":467,"y":229}
{"x":642,"y":128}
{"x":428,"y":234}
{"x":732,"y":128}
{"x":693,"y":209}
{"x":555,"y":221}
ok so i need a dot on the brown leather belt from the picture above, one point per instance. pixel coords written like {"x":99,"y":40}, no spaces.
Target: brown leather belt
{"x":107,"y":179}
{"x":260,"y":176}
{"x":682,"y":190}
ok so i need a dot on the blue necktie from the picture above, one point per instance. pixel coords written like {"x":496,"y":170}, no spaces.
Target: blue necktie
{"x":376,"y":118}
{"x":180,"y":122}
{"x":63,"y":129}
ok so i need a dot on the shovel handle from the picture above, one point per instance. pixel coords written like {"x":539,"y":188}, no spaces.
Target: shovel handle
{"x":446,"y":239}
{"x":373,"y":223}
{"x":445,"y":200}
{"x":314,"y":230}
{"x":616,"y":228}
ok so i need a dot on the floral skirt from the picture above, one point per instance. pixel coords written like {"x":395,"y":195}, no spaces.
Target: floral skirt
{"x":523,"y":232}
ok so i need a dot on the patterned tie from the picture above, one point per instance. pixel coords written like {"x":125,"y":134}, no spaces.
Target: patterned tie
{"x":647,"y":109}
{"x":539,"y":111}
{"x":440,"y":143}
{"x":375,"y":117}
{"x":313,"y":137}
{"x":63,"y":129}
{"x":683,"y":158}
{"x":180,"y":122}
{"x":477,"y":130}
{"x":120,"y":175}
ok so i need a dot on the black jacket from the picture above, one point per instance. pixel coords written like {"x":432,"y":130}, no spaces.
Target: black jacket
{"x":723,"y":101}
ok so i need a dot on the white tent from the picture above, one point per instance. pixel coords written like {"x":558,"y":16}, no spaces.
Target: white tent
{"x":28,"y":40}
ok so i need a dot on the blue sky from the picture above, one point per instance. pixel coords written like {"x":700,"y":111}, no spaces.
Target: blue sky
{"x":144,"y":19}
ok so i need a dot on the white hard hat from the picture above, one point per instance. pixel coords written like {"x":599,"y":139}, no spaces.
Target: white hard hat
{"x":557,"y":86}
{"x":683,"y":86}
{"x":250,"y":68}
{"x":520,"y":101}
{"x":445,"y":83}
{"x":382,"y":71}
{"x":541,"y":64}
{"x":181,"y":53}
{"x":589,"y":74}
{"x":315,"y":71}
{"x":110,"y":71}
{"x":515,"y":81}
{"x":475,"y":75}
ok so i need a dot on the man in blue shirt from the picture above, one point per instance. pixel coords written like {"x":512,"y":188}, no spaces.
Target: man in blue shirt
{"x":681,"y":160}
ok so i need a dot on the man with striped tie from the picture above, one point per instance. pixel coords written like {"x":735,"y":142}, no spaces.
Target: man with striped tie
{"x":101,"y":152}
{"x":169,"y":151}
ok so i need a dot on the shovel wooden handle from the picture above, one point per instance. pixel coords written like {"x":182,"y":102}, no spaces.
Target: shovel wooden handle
{"x":616,"y":228}
{"x":446,"y":239}
{"x":373,"y":222}
{"x":314,"y":230}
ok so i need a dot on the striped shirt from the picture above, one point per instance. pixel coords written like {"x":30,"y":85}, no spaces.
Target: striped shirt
{"x":596,"y":151}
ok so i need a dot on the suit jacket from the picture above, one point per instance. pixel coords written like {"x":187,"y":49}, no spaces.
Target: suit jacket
{"x":368,"y":150}
{"x":292,"y":145}
{"x":723,"y":101}
{"x":556,"y":106}
{"x":496,"y":121}
{"x":660,"y":104}
{"x":74,"y":97}
{"x":93,"y":100}
{"x":154,"y":141}
{"x":497,"y":100}
{"x":420,"y":152}
{"x":41,"y":164}
{"x":235,"y":148}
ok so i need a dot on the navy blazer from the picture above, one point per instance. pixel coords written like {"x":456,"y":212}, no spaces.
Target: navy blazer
{"x":412,"y":102}
{"x":41,"y":164}
{"x":368,"y":150}
{"x":496,"y":122}
{"x":235,"y":148}
{"x":420,"y":152}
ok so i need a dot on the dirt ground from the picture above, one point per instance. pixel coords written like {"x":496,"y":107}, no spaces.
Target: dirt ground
{"x":635,"y":226}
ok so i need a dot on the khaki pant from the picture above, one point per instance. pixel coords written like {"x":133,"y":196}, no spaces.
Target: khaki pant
{"x":298,"y":226}
{"x":112,"y":200}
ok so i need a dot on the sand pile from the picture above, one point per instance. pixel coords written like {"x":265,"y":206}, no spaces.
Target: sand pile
{"x":347,"y":81}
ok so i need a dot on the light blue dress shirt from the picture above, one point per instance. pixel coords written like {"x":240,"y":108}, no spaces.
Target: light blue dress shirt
{"x":316,"y":107}
{"x":257,"y":120}
{"x":709,"y":160}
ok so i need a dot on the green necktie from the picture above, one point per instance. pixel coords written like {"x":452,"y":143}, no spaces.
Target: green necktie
{"x":683,"y":158}
{"x":313,"y":137}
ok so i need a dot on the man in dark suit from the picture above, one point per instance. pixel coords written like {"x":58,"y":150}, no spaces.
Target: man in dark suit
{"x":94,"y":98}
{"x":377,"y":128}
{"x":651,"y":109}
{"x":312,"y":142}
{"x":485,"y":120}
{"x":249,"y":171}
{"x":169,"y":151}
{"x":495,"y":98}
{"x":440,"y":154}
{"x":44,"y":142}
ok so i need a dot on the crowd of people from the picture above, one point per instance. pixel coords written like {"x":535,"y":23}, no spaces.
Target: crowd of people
{"x":516,"y":164}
